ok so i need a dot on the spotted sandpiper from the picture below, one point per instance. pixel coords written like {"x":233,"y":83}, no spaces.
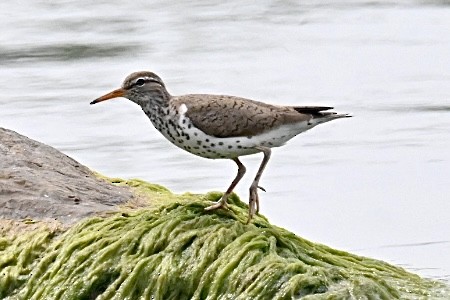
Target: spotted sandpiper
{"x":219,"y":126}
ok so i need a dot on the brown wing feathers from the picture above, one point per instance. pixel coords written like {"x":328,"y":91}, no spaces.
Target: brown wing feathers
{"x":239,"y":116}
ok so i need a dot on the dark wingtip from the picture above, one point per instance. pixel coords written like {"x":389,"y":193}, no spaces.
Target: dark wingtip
{"x":93,"y":102}
{"x":311,"y":109}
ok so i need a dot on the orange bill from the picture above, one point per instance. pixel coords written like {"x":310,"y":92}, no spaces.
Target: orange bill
{"x":114,"y":94}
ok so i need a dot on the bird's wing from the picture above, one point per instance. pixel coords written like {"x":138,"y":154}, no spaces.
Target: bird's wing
{"x":228,"y":116}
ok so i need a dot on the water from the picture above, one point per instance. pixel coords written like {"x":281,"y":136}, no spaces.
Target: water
{"x":376,"y":184}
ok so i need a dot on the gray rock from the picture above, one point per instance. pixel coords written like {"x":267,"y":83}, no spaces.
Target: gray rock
{"x":39,"y":182}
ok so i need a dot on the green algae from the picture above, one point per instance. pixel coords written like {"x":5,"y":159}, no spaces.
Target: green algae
{"x":176,"y":250}
{"x":19,"y":252}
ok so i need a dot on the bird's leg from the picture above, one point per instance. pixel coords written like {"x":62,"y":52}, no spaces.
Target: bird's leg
{"x":223,"y":201}
{"x":253,"y":203}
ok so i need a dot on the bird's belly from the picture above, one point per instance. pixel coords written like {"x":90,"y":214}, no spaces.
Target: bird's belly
{"x":197,"y":142}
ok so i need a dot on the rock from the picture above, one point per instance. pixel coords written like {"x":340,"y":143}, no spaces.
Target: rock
{"x":39,"y":182}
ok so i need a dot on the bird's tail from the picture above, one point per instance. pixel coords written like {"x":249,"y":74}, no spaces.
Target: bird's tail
{"x":332,"y":115}
{"x":319,"y":114}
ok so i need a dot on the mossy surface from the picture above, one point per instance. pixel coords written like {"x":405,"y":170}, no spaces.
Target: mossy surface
{"x":21,"y":246}
{"x":173,"y":249}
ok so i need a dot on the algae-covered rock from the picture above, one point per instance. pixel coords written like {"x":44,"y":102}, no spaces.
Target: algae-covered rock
{"x":159,"y":245}
{"x":177,"y":251}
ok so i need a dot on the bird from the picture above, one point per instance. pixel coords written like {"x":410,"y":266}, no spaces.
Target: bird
{"x":220,"y":126}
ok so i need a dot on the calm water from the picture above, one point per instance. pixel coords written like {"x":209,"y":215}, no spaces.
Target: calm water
{"x":376,"y":184}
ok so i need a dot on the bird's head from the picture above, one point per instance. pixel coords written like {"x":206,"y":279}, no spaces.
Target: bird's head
{"x":139,"y":87}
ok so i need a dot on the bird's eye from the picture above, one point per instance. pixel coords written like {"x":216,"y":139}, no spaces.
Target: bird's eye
{"x":140,"y":82}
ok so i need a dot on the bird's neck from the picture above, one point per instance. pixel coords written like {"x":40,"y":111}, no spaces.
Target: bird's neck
{"x":156,"y":101}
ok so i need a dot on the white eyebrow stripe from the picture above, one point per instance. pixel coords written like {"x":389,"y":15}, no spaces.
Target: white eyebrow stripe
{"x":146,"y":78}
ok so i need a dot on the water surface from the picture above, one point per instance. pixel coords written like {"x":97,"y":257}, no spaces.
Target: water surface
{"x":376,"y":184}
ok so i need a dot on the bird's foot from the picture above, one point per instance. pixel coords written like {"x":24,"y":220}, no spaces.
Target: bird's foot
{"x":253,"y":203}
{"x":222,"y":203}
